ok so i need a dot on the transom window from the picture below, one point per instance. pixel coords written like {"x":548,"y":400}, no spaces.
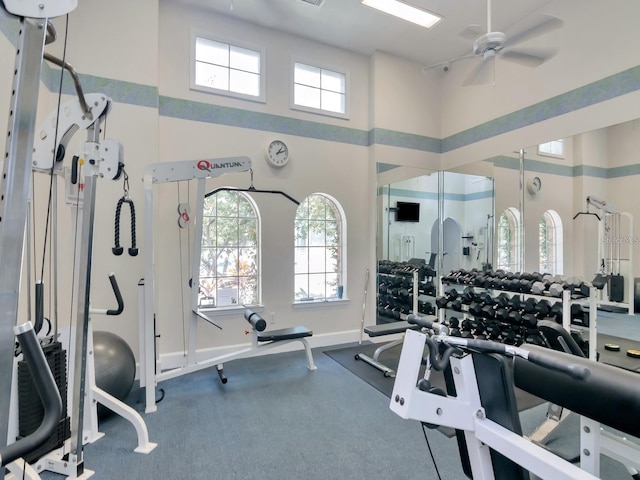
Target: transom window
{"x":229,"y":257}
{"x":319,"y":249}
{"x":319,"y":89}
{"x":554,"y":148}
{"x":227,"y":69}
{"x":509,"y":240}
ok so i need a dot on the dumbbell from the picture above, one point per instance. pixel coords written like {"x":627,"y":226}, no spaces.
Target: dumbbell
{"x":454,"y":326}
{"x":542,"y":309}
{"x":448,"y":297}
{"x":468,"y":295}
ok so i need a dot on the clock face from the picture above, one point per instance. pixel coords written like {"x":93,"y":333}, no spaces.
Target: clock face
{"x":277,"y":153}
{"x":534,"y":186}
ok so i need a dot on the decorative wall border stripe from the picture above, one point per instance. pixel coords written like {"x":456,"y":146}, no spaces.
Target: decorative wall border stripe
{"x":622,"y":83}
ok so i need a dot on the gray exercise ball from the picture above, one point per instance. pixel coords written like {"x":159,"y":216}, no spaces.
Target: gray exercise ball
{"x":115,"y":366}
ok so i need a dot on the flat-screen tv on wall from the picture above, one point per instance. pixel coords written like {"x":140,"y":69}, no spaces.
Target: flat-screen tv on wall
{"x":407,"y":212}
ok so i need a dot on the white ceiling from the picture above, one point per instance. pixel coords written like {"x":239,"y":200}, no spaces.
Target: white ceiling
{"x":348,"y":24}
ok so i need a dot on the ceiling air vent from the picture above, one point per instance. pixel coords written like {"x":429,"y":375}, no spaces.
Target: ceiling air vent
{"x":317,"y":3}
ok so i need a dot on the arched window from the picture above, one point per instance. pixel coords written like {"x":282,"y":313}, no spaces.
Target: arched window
{"x":550,"y":240}
{"x":320,"y":246}
{"x":230,"y":254}
{"x":509,"y":241}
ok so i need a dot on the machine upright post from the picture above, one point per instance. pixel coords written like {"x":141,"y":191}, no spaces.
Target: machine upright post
{"x":14,"y":195}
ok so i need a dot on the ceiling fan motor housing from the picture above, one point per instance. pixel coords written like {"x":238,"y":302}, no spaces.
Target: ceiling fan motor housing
{"x":491,"y":42}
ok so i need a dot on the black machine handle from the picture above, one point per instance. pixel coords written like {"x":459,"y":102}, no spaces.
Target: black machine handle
{"x":118,"y":249}
{"x":116,"y":292}
{"x":47,"y":390}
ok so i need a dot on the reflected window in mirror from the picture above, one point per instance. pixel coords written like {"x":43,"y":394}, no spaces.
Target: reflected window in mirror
{"x":550,"y":240}
{"x":508,"y":237}
{"x":320,"y":236}
{"x":554,"y":149}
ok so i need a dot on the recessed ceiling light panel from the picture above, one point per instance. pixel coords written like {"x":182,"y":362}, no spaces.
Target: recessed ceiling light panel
{"x":404,"y":11}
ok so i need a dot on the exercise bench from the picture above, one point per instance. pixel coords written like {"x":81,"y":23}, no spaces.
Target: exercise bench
{"x":381,"y":330}
{"x":265,"y":340}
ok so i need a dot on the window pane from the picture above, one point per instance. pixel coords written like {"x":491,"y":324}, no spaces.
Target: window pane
{"x":332,"y":102}
{"x":247,"y":262}
{"x":243,"y":82}
{"x":317,"y":286}
{"x":212,"y":52}
{"x":306,"y":75}
{"x":331,"y":285}
{"x":317,"y":207}
{"x":333,"y":255}
{"x":301,"y":287}
{"x":301,"y":260}
{"x":247,"y":231}
{"x":208,"y":232}
{"x":210,"y":207}
{"x":332,"y":238}
{"x":316,"y":233}
{"x":227,"y":231}
{"x":245,"y":209}
{"x":212,"y":76}
{"x":333,"y":81}
{"x":244,"y":59}
{"x":301,"y":232}
{"x":207,"y":262}
{"x":316,"y":259}
{"x":227,"y":204}
{"x":306,"y":96}
{"x":248,"y":290}
{"x":227,"y":262}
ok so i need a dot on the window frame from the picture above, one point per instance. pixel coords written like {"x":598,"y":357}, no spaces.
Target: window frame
{"x":320,"y":111}
{"x":552,"y":221}
{"x":195,"y":33}
{"x":515,"y":244}
{"x":342,"y":260}
{"x":545,"y":153}
{"x":226,"y":309}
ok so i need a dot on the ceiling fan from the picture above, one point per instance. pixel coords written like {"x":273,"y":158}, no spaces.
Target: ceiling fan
{"x":494,"y":44}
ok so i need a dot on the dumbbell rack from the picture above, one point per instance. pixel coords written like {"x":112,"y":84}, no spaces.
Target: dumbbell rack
{"x":397,"y":287}
{"x":566,"y":300}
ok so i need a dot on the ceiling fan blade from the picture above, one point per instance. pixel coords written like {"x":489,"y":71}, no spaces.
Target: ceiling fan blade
{"x":527,"y":59}
{"x":539,"y":26}
{"x":480,"y":73}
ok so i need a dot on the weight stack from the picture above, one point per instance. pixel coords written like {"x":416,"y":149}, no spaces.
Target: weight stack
{"x":30,"y":409}
{"x":616,"y":288}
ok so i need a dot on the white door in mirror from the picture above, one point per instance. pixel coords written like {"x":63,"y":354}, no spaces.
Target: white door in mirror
{"x":534,"y":185}
{"x":277,"y":154}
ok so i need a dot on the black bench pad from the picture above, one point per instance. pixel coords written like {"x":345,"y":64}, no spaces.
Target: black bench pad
{"x":284,"y":334}
{"x":389,"y":328}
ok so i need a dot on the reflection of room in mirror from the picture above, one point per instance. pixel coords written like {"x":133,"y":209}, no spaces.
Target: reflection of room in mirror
{"x":467,"y":205}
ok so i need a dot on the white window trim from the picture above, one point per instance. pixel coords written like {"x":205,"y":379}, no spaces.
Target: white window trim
{"x":232,"y":309}
{"x":262,"y":98}
{"x":344,"y":272}
{"x":319,"y":111}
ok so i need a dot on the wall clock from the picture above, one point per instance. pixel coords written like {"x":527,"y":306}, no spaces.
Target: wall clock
{"x":534,"y":185}
{"x":277,"y":154}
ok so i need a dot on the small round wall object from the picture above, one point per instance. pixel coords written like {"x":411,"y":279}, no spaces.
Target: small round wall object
{"x":534,"y":185}
{"x":633,"y":353}
{"x":277,"y":154}
{"x":612,"y":347}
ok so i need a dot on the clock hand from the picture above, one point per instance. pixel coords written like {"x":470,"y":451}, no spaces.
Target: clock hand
{"x":280,"y":151}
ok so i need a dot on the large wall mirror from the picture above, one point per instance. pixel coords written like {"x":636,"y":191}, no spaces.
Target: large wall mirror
{"x":429,"y":222}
